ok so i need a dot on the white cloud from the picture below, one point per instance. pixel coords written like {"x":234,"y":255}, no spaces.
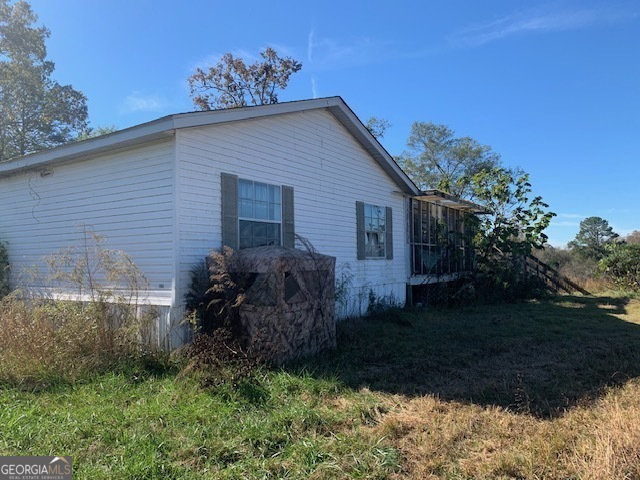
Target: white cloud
{"x":325,"y":53}
{"x":314,"y":87}
{"x":539,"y":20}
{"x":140,"y":102}
{"x":310,"y":45}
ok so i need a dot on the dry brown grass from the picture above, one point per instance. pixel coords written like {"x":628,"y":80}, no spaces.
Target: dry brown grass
{"x":540,"y":390}
{"x":442,"y":440}
{"x":45,"y":341}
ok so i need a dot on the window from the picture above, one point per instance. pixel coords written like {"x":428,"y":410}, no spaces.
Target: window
{"x":255,"y":213}
{"x":374,"y":231}
{"x":259,"y":214}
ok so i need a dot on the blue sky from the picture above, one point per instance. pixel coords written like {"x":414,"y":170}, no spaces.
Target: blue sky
{"x":553,"y":86}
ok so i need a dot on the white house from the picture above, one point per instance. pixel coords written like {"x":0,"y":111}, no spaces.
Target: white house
{"x":169,"y":191}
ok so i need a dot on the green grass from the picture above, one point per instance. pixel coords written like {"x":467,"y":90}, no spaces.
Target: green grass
{"x":278,"y":426}
{"x":540,"y":356}
{"x":478,"y":392}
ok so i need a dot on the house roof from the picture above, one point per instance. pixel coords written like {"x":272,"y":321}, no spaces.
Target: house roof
{"x":165,"y":127}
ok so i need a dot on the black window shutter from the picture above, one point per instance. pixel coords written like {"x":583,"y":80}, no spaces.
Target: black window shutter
{"x":229,"y":185}
{"x":360,"y":233}
{"x":389,"y":233}
{"x":288,"y":225}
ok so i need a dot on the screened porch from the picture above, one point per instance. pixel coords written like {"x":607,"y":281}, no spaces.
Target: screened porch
{"x":441,"y":234}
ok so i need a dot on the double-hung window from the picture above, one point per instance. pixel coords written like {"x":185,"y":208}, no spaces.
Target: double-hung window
{"x":255,"y":213}
{"x":374,"y":231}
{"x":259,"y":214}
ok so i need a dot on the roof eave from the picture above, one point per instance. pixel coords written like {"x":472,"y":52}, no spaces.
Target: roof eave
{"x":166,"y":126}
{"x":137,"y":135}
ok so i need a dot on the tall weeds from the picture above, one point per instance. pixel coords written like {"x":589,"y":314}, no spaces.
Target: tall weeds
{"x":92,"y":318}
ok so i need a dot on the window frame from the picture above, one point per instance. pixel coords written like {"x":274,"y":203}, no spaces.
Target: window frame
{"x":255,"y":219}
{"x":363,"y":232}
{"x":370,"y":232}
{"x":229,"y":209}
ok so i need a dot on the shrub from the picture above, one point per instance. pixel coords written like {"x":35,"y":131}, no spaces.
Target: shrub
{"x":622,"y":266}
{"x":216,"y":358}
{"x":507,"y":283}
{"x":216,"y":293}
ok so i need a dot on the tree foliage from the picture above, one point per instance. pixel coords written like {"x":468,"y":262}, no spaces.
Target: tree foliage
{"x":91,"y":132}
{"x":232,"y":83}
{"x":622,"y":265}
{"x":515,"y":222}
{"x":377,"y":126}
{"x":594,"y":235}
{"x":438,"y":159}
{"x":36,"y":112}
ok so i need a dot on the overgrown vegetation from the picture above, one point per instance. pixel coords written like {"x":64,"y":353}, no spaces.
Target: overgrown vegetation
{"x":92,"y":320}
{"x":4,"y":270}
{"x":215,"y":294}
{"x":598,"y":259}
{"x":544,"y":389}
{"x":621,"y":264}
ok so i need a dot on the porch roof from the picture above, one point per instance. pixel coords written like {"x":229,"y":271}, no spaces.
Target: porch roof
{"x":451,"y":201}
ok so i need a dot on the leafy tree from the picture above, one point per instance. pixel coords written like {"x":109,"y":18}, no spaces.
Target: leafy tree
{"x":438,"y":159}
{"x":512,"y":228}
{"x":233,"y":83}
{"x":36,"y":112}
{"x":377,"y":126}
{"x":622,"y":265}
{"x":594,"y":235}
{"x":515,"y":222}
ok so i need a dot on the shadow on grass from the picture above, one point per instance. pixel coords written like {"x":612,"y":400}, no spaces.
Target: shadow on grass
{"x":539,"y":358}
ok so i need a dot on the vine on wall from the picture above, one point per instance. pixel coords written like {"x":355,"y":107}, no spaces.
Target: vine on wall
{"x":4,"y":270}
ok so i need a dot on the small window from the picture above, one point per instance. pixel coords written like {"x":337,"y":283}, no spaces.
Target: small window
{"x":375,"y":231}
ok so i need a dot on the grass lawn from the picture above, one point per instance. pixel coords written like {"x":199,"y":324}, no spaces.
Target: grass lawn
{"x":544,"y":389}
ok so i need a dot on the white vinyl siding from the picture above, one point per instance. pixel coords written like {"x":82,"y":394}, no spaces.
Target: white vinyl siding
{"x":328,"y":170}
{"x":126,"y":198}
